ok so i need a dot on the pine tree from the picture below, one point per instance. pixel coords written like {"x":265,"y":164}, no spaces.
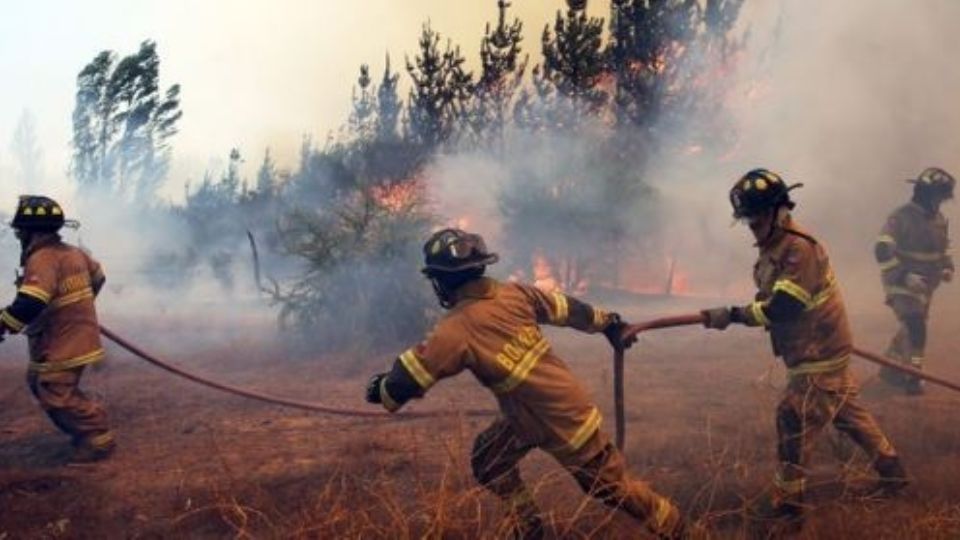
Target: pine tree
{"x":661,"y":52}
{"x":441,"y":91}
{"x":266,"y":175}
{"x":388,"y":104}
{"x":363,"y":121}
{"x":573,"y":59}
{"x":501,"y":76}
{"x":27,"y":153}
{"x":123,"y":123}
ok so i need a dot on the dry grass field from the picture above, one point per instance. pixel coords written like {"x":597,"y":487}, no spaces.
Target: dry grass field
{"x":200,"y":464}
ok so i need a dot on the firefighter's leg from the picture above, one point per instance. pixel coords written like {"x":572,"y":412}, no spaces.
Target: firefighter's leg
{"x":916,"y":325}
{"x":494,"y":460}
{"x":604,"y":475}
{"x":801,"y":416}
{"x":857,"y":422}
{"x":911,"y":339}
{"x":72,"y":411}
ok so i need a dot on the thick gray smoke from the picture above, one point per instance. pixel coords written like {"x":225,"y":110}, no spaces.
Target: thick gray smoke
{"x":850,"y":98}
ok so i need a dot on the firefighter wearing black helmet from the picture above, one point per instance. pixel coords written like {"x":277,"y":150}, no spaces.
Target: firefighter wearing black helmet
{"x":54,"y":307}
{"x":798,"y":302}
{"x":914,"y":257}
{"x":492,"y":328}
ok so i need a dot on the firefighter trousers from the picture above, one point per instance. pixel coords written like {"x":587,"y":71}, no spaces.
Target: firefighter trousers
{"x":70,"y":409}
{"x":809,"y":404}
{"x":497,"y":452}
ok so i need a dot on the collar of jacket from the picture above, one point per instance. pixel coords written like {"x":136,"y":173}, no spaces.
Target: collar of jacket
{"x":483,"y":288}
{"x":923,"y":210}
{"x":778,"y":234}
{"x":40,"y":241}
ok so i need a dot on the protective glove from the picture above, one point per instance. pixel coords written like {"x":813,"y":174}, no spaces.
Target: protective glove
{"x":946,"y":275}
{"x":373,"y":388}
{"x":717,"y":318}
{"x":614,"y":330}
{"x":916,"y":283}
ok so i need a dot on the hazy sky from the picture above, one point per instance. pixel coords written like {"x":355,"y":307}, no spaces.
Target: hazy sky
{"x":254,"y":73}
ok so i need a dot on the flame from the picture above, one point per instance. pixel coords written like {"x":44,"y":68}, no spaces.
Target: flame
{"x":397,"y":196}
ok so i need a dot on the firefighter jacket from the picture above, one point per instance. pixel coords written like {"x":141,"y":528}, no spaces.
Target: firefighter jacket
{"x":913,"y":240}
{"x":793,"y":270}
{"x":54,"y":305}
{"x":493,"y":331}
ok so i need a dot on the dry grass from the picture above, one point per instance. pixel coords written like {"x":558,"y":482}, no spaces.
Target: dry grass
{"x":700,"y":429}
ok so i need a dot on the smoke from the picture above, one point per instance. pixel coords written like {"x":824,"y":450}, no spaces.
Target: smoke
{"x":849,"y":98}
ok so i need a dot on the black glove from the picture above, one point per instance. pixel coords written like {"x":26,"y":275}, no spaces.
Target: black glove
{"x":717,"y":318}
{"x":373,"y":388}
{"x":614,"y":330}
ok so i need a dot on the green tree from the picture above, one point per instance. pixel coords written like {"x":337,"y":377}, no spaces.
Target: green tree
{"x":441,"y":92}
{"x":388,"y":104}
{"x":573,"y":60}
{"x":502,"y":70}
{"x":267,"y":175}
{"x":27,"y":152}
{"x":122,"y":124}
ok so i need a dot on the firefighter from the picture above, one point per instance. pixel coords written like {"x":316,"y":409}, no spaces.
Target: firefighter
{"x":492,"y":329}
{"x":799,"y":303}
{"x":54,"y":307}
{"x":914,"y":259}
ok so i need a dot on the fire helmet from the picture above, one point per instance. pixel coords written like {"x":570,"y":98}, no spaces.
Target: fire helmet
{"x":455,"y":250}
{"x":934,"y":181}
{"x":38,"y":213}
{"x":758,"y":191}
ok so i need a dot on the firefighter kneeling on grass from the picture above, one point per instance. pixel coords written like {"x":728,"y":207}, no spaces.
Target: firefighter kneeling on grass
{"x":54,"y":307}
{"x":914,"y":257}
{"x":799,"y":303}
{"x":492,"y":330}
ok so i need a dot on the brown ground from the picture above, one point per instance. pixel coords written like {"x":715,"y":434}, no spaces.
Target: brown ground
{"x":193,"y":462}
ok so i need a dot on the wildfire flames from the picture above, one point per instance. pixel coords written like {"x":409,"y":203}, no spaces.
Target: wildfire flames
{"x":398,"y":196}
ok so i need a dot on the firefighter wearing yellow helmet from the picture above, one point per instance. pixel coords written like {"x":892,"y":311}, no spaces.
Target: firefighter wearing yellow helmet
{"x":798,"y":302}
{"x":54,"y":307}
{"x":492,"y":329}
{"x":913,"y":253}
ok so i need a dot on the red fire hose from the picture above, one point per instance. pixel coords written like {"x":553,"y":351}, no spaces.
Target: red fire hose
{"x":697,"y":318}
{"x":297,"y":404}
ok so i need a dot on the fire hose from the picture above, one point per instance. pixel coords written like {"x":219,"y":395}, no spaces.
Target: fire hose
{"x":297,"y":404}
{"x":697,"y":318}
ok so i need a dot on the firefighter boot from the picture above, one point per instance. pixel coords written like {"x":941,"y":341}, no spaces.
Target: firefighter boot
{"x":913,"y":385}
{"x":777,"y":514}
{"x":527,"y":528}
{"x":893,"y":478}
{"x":93,"y":449}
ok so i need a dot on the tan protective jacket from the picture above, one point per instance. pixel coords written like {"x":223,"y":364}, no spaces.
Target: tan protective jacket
{"x":920,"y":244}
{"x":819,"y":339}
{"x":66,"y":333}
{"x":493,"y":331}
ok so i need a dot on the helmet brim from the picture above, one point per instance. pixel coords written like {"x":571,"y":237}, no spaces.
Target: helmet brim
{"x":466,"y":265}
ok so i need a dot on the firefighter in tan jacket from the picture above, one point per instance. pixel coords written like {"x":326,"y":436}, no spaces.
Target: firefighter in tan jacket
{"x":54,"y":307}
{"x":492,"y":329}
{"x":914,"y":257}
{"x":799,"y":303}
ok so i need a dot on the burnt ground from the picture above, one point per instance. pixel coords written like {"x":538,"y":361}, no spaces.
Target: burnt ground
{"x":196,"y":463}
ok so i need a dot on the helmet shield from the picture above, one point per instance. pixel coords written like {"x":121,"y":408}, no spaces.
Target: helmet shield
{"x":455,"y":250}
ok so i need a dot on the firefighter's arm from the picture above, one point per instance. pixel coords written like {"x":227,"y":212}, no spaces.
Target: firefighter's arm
{"x":97,"y":277}
{"x":558,"y":309}
{"x":792,"y":293}
{"x":33,"y":295}
{"x":885,"y":252}
{"x":443,"y":354}
{"x":948,"y":268}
